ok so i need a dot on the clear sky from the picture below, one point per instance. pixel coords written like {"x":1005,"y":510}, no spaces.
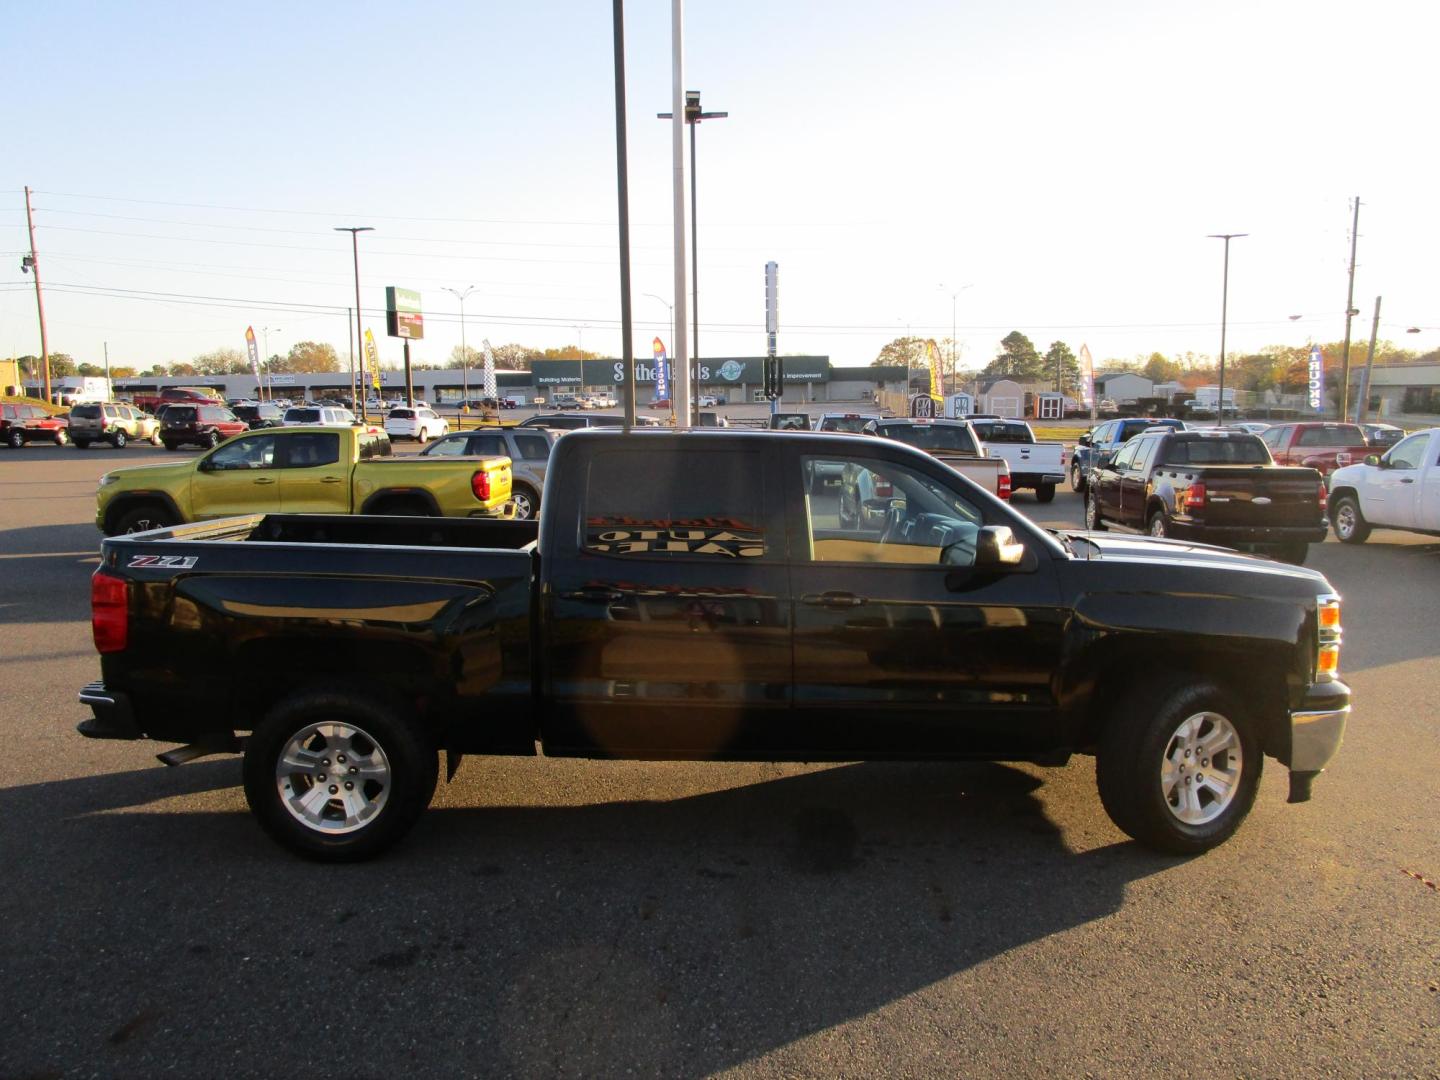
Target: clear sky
{"x":1062,"y":162}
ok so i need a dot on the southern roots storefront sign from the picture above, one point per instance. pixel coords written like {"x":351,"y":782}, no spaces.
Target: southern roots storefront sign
{"x":722,"y":371}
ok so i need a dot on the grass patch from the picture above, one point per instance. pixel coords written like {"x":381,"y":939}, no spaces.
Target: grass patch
{"x":6,"y":399}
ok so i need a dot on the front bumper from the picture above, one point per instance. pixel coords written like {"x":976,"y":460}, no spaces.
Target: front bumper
{"x":114,"y":717}
{"x":1317,"y":728}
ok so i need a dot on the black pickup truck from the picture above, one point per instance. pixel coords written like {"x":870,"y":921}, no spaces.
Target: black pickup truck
{"x":693,"y":595}
{"x":1215,"y":486}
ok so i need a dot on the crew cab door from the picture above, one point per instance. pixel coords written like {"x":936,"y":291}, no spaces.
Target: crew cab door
{"x":664,"y":611}
{"x":1393,"y":492}
{"x":313,"y":478}
{"x":241,"y":476}
{"x":1105,"y":481}
{"x":1134,"y":480}
{"x":902,"y":645}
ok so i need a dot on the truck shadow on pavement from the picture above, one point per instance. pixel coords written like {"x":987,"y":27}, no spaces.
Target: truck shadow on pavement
{"x":675,"y":937}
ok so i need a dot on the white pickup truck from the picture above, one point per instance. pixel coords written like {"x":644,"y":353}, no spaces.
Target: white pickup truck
{"x":954,"y":442}
{"x":1038,"y":466}
{"x":1400,"y":490}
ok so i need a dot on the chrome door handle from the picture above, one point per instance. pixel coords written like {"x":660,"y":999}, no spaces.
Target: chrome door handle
{"x":1407,"y":480}
{"x":832,"y":599}
{"x":330,"y":479}
{"x":263,"y":480}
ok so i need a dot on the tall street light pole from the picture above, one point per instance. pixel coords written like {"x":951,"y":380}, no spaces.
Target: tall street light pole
{"x":355,"y":231}
{"x":269,"y":382}
{"x":954,"y":344}
{"x":671,"y":309}
{"x":31,"y":264}
{"x":693,"y":117}
{"x":464,"y":356}
{"x":580,"y":349}
{"x":1224,"y":311}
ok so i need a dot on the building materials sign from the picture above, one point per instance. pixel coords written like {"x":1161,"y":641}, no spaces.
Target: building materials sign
{"x":402,"y":313}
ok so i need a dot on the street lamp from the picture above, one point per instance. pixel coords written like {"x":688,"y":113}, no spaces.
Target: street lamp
{"x":269,"y":382}
{"x":669,"y":307}
{"x":954,"y":344}
{"x":580,"y":349}
{"x":1224,"y":309}
{"x":355,"y":231}
{"x":464,"y":356}
{"x":693,"y":116}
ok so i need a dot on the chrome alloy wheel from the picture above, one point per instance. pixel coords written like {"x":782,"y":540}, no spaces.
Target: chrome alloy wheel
{"x":333,"y":777}
{"x":1347,"y":517}
{"x":1200,"y":773}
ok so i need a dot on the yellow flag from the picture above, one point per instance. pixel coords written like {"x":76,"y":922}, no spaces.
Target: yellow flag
{"x":937,"y":379}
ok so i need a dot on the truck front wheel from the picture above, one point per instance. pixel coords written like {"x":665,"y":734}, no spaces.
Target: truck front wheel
{"x":143,"y":519}
{"x":337,"y":777}
{"x":1350,"y":524}
{"x":1178,"y":766}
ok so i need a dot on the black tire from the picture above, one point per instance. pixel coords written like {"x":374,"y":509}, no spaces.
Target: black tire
{"x":81,"y":444}
{"x":16,"y":438}
{"x":171,"y":445}
{"x":62,"y":437}
{"x":212,"y":439}
{"x":1093,"y":521}
{"x":143,"y":518}
{"x":1077,"y":478}
{"x":1045,"y":493}
{"x":525,"y":497}
{"x":348,"y":827}
{"x":1347,"y":520}
{"x":1158,"y":525}
{"x":1294,"y":554}
{"x":118,"y":440}
{"x":400,"y":506}
{"x":1130,"y":770}
{"x":155,"y":439}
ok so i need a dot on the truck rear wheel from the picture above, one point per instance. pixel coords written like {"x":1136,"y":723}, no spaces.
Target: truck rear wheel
{"x":1045,"y":493}
{"x":527,"y":503}
{"x":1077,"y":477}
{"x":337,"y":777}
{"x":1178,"y":766}
{"x":1093,"y":521}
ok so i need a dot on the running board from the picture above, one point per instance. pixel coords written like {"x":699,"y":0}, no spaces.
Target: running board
{"x":217,"y":744}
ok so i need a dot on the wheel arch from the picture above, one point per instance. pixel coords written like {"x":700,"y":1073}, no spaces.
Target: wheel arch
{"x":412,"y":495}
{"x":122,"y":504}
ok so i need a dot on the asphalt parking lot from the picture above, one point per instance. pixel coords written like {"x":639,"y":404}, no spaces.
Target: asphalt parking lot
{"x":553,"y":917}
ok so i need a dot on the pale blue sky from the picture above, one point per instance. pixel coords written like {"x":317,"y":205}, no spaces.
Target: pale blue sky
{"x":1065,"y":161}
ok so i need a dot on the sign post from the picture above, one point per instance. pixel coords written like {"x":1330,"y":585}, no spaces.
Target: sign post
{"x":774,"y":366}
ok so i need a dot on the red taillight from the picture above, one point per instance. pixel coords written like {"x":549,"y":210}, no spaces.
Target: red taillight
{"x":1004,"y":488}
{"x":884,"y":489}
{"x":1324,"y":498}
{"x":1195,"y":497}
{"x":480,"y":485}
{"x":109,"y":612}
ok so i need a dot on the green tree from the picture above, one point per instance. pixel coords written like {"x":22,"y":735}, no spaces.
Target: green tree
{"x":1061,"y":362}
{"x":568,"y":352}
{"x":1017,"y":359}
{"x":1158,"y":369}
{"x":902,"y":352}
{"x":514,"y":357}
{"x":308,"y":356}
{"x":92,"y":371}
{"x":183,"y":370}
{"x":122,"y":372}
{"x":62,"y":365}
{"x":219,"y":362}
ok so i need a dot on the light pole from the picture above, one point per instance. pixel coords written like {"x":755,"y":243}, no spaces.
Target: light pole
{"x":355,"y":231}
{"x":954,"y":344}
{"x":669,"y":307}
{"x":580,"y":349}
{"x":269,"y":382}
{"x":693,"y":116}
{"x":464,"y":356}
{"x":1224,"y":310}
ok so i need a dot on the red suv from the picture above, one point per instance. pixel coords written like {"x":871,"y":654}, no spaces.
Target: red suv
{"x":20,"y":424}
{"x":199,"y":425}
{"x":1316,"y":445}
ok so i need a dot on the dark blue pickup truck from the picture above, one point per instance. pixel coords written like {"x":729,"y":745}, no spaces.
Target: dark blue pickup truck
{"x":1108,"y":437}
{"x":695,"y":595}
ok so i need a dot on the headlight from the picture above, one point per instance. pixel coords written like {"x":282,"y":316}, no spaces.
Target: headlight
{"x":108,"y":479}
{"x":1327,"y":659}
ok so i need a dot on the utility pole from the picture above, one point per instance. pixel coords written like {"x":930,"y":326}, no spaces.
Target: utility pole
{"x":350,"y":330}
{"x":1350,"y":313}
{"x":627,"y":344}
{"x":1361,"y":405}
{"x":680,"y":391}
{"x":1224,"y":312}
{"x":109,"y":386}
{"x":33,"y":265}
{"x":355,"y":231}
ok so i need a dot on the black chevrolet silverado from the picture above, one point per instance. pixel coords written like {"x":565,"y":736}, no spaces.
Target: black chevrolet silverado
{"x":694,"y":595}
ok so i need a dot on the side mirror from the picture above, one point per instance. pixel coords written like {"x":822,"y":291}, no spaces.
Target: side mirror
{"x":996,"y":546}
{"x":1105,"y":460}
{"x":1084,"y":440}
{"x":205,"y":465}
{"x":1374,"y":461}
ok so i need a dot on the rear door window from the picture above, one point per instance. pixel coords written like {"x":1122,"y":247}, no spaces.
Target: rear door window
{"x":488,"y":444}
{"x":642,"y":505}
{"x":311,"y":450}
{"x":532,"y":447}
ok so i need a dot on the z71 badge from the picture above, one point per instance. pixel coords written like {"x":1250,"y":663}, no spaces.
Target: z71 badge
{"x":163,"y":562}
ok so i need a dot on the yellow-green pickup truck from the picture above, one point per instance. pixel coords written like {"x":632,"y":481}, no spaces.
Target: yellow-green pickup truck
{"x":300,"y":470}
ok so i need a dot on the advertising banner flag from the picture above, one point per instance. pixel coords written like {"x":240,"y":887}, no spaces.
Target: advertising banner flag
{"x":1087,"y":380}
{"x":254,"y":351}
{"x":1316,"y":387}
{"x":662,"y":381}
{"x":937,"y":377}
{"x":372,"y":357}
{"x":491,"y":390}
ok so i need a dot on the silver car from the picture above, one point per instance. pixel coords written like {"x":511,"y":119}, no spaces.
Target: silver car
{"x":527,"y":448}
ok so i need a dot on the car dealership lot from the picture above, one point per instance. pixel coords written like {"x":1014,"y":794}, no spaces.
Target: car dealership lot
{"x":681,"y":918}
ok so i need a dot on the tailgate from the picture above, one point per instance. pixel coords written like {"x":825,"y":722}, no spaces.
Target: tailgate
{"x":1258,"y":495}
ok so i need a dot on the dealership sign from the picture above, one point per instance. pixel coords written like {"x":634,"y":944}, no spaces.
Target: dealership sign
{"x":1316,"y":388}
{"x":402,"y":313}
{"x":720,"y":371}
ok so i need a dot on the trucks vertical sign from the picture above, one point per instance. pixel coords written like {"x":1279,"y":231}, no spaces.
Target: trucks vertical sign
{"x":774,"y":366}
{"x":254,"y":352}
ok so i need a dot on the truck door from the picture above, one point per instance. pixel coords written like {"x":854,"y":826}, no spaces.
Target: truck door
{"x":1428,"y":482}
{"x":902,"y":646}
{"x":1396,"y":490}
{"x":313,"y":480}
{"x":1135,"y":482}
{"x":239,"y":477}
{"x":664,"y":613}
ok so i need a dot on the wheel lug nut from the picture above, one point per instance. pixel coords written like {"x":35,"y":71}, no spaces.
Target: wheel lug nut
{"x":326,"y":761}
{"x":334,"y":790}
{"x":353,"y":770}
{"x":341,"y":759}
{"x":1187,"y":780}
{"x":349,"y":786}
